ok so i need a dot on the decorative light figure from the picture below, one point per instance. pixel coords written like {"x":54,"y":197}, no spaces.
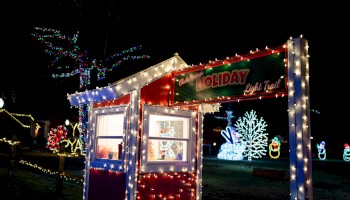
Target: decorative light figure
{"x":275,"y":146}
{"x":232,"y":149}
{"x":253,"y":134}
{"x":321,"y":150}
{"x":346,"y":153}
{"x":55,"y":136}
{"x":75,"y":126}
{"x":74,"y":143}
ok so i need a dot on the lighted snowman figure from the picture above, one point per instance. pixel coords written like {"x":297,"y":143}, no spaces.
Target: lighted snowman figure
{"x":274,"y":146}
{"x":346,"y":154}
{"x":321,"y":150}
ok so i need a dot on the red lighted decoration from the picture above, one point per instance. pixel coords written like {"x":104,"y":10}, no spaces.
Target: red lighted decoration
{"x":171,"y":185}
{"x":55,"y":136}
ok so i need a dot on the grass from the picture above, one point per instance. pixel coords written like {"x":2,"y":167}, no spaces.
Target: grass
{"x":224,"y":180}
{"x":235,"y":180}
{"x":33,"y":185}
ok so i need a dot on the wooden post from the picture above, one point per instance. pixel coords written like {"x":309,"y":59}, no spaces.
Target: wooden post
{"x":59,"y":183}
{"x":12,"y":158}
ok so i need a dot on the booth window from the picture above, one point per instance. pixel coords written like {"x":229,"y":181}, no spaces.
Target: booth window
{"x":169,"y":140}
{"x":110,"y":129}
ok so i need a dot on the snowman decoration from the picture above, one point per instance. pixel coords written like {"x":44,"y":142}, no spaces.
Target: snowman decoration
{"x":274,"y":147}
{"x":321,"y":150}
{"x":346,"y":153}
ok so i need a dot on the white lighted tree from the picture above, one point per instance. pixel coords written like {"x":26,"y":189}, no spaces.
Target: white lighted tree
{"x":252,"y":131}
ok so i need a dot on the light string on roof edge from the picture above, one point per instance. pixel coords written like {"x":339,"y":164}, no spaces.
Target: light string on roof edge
{"x":14,"y":115}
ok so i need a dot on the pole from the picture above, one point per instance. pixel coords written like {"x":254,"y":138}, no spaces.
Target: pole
{"x":59,"y":183}
{"x":12,"y":158}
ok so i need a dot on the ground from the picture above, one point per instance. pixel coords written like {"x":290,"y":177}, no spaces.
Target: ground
{"x":222,"y":180}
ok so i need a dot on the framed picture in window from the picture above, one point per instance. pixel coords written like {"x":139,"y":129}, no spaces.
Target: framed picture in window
{"x":168,"y":139}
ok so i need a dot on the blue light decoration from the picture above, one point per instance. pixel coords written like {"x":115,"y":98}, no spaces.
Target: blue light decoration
{"x":232,"y":149}
{"x":346,"y":153}
{"x":274,"y":147}
{"x":321,"y":148}
{"x":70,"y":58}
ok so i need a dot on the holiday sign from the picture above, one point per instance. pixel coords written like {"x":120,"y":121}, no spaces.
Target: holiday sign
{"x":249,"y":77}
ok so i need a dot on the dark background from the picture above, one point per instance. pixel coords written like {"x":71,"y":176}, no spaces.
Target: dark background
{"x":199,"y":32}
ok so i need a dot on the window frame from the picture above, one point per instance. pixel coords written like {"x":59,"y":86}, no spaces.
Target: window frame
{"x":110,"y":164}
{"x":168,"y":165}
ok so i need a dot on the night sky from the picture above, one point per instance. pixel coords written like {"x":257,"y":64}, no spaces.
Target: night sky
{"x":198,"y":32}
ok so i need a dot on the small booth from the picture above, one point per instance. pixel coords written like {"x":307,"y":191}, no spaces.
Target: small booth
{"x":138,"y":146}
{"x":144,"y":132}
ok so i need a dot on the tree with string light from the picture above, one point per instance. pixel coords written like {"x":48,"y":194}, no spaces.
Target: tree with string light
{"x":252,"y":131}
{"x":72,"y":60}
{"x":69,"y":58}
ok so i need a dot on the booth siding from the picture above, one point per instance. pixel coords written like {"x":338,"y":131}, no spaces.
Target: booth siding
{"x":144,"y":135}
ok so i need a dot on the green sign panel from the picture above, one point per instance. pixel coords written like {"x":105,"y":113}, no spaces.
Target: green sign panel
{"x":256,"y":76}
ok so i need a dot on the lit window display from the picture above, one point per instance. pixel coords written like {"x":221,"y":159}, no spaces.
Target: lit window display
{"x":109,"y":136}
{"x":108,"y":129}
{"x":168,"y":139}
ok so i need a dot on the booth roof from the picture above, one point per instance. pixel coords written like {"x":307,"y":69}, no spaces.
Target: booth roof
{"x":128,"y":84}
